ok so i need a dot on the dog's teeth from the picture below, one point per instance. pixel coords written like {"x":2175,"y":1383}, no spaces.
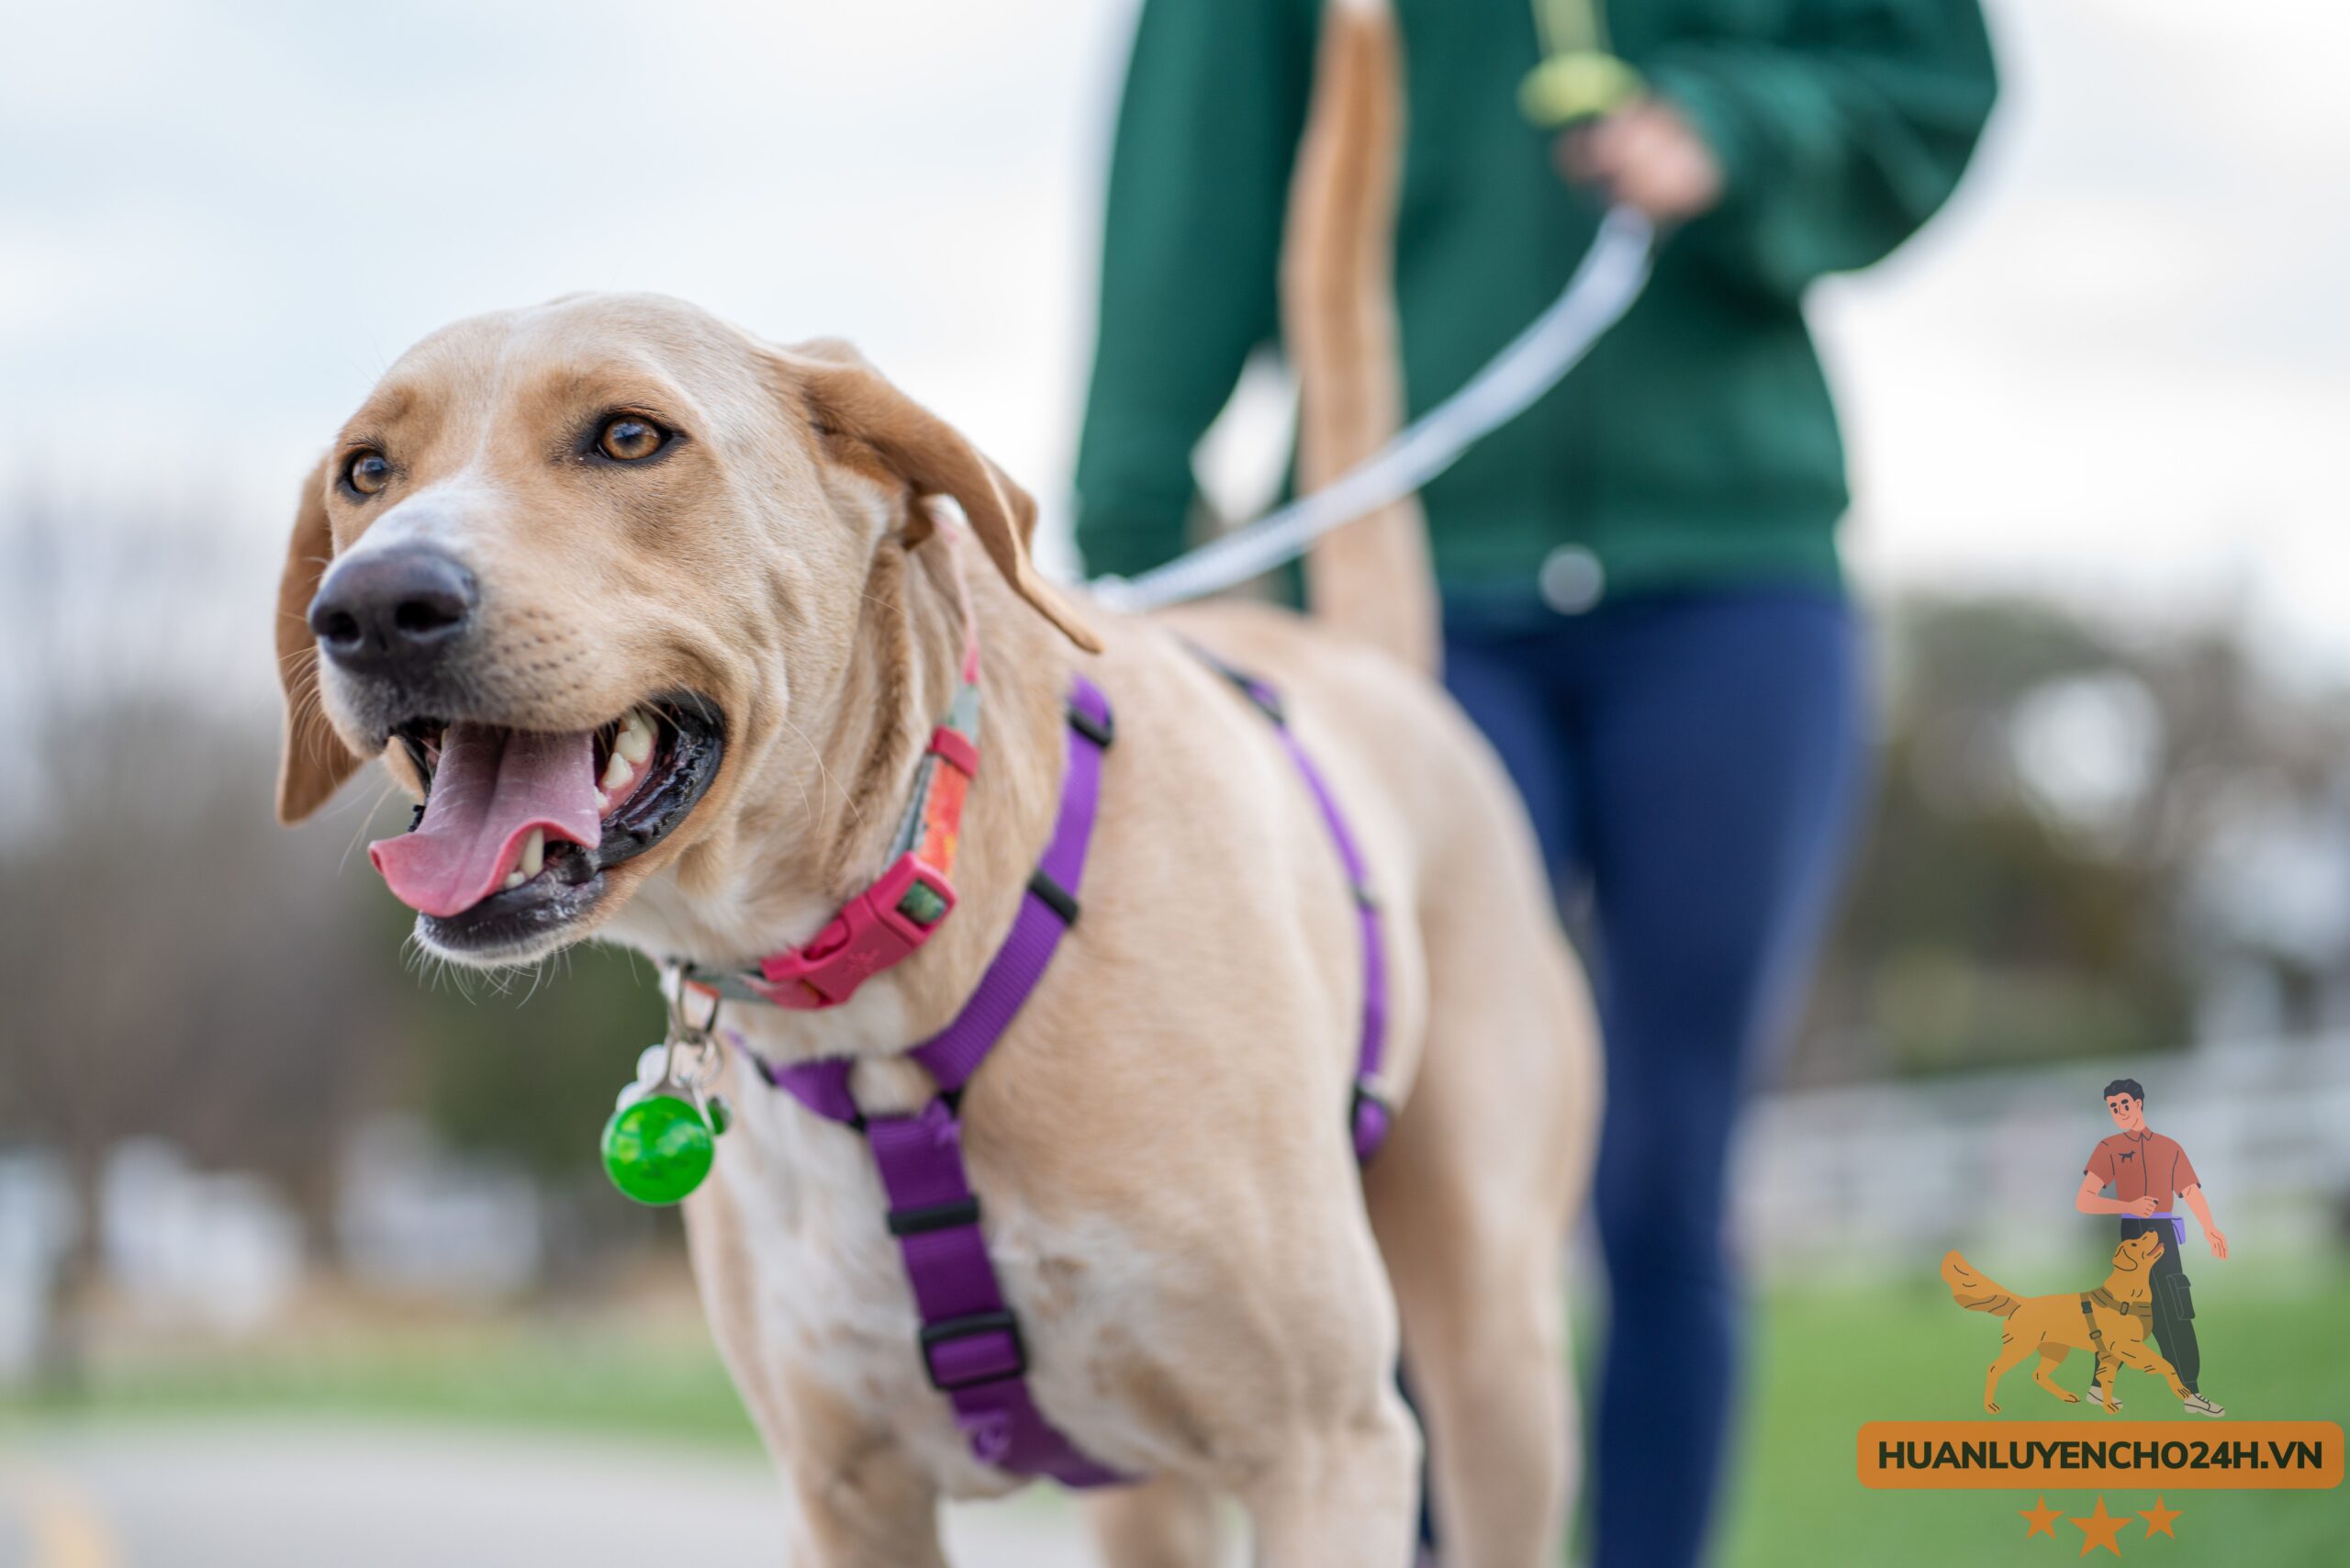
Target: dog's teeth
{"x":617,"y":773}
{"x":603,"y":803}
{"x":635,"y":739}
{"x":513,"y":879}
{"x":534,"y":855}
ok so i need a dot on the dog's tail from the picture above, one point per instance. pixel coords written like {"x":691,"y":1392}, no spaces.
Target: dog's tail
{"x":1370,"y":580}
{"x":1974,"y":1291}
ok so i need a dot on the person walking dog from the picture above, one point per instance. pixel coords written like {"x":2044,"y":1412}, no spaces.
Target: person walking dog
{"x":1643,"y":603}
{"x":2146,"y":1170}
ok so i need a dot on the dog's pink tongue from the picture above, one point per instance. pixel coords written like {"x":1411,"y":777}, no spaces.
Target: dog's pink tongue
{"x":491,"y":788}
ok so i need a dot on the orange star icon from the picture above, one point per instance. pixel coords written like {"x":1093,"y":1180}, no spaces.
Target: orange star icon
{"x":2044,"y":1517}
{"x":2158,"y":1518}
{"x":2100,"y":1530}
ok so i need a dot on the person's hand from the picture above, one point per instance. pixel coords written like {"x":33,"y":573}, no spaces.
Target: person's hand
{"x":2217,"y":1240}
{"x":2142,"y":1207}
{"x":1648,"y":156}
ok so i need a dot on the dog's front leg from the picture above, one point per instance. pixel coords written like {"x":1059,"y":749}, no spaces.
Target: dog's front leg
{"x":2108,"y":1368}
{"x":1344,"y":1498}
{"x":1167,"y":1522}
{"x":866,"y":1506}
{"x":2134,"y":1353}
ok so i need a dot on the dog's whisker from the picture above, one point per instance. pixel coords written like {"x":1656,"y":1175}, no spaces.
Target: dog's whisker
{"x":391,"y":788}
{"x":823,"y":773}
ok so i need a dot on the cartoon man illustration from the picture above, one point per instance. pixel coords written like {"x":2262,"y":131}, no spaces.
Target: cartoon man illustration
{"x":2144,"y":1169}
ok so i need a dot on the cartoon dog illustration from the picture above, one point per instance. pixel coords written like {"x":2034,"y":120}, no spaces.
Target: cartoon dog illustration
{"x":2109,"y":1322}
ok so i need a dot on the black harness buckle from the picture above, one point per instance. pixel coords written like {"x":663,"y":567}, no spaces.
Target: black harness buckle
{"x":1101,"y":732}
{"x":934,"y":1216}
{"x":1058,"y":899}
{"x":954,"y":1329}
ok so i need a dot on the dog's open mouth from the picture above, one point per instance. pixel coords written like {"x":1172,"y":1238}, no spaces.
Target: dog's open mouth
{"x":519,"y":826}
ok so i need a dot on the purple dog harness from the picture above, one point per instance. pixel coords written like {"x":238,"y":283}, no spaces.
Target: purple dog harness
{"x":970,"y":1342}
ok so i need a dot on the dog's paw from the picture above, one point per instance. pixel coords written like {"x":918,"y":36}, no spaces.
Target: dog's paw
{"x":2070,"y":1398}
{"x":1990,"y":1408}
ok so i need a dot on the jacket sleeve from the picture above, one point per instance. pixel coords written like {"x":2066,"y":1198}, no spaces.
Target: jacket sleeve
{"x":1838,"y":141}
{"x":1215,"y":100}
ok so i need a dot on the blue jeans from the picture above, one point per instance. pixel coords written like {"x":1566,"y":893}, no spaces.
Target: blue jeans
{"x":1693,"y":763}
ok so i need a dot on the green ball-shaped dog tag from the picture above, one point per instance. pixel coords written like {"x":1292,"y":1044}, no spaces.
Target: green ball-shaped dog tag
{"x":658,"y":1150}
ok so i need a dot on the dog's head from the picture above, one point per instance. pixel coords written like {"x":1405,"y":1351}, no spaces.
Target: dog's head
{"x":2138,"y":1253}
{"x":568,"y":569}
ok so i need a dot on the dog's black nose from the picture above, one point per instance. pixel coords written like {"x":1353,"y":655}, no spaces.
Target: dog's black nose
{"x":395,"y":611}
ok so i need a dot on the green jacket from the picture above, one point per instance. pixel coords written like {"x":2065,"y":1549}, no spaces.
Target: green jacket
{"x":1696,"y":445}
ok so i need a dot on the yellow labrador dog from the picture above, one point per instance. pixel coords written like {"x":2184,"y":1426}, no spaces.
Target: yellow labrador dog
{"x":660,"y":618}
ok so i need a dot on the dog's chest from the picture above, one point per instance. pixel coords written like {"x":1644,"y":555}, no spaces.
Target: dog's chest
{"x":828,"y":1296}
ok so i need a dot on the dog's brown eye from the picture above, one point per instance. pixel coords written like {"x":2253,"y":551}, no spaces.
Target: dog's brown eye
{"x":367,"y":471}
{"x":629,"y":439}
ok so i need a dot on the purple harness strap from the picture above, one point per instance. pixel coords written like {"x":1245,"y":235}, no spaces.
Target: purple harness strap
{"x":1369,"y":1115}
{"x":971,"y":1341}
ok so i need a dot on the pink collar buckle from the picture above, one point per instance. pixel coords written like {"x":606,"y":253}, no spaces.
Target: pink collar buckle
{"x":874,"y":930}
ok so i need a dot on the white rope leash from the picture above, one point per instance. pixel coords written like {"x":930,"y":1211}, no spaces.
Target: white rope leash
{"x":1604,"y":284}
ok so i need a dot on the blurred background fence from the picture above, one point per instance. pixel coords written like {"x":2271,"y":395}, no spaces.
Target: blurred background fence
{"x":1873,"y":1183}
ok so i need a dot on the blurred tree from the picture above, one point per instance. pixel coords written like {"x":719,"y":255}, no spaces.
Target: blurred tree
{"x":2054,"y":794}
{"x":528,"y":1065}
{"x":176,"y":966}
{"x":173,"y":965}
{"x":525,"y":1067}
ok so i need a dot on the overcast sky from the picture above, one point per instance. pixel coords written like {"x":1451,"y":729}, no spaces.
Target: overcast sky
{"x":2119,"y":368}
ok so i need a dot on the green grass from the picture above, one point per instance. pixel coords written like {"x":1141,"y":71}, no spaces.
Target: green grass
{"x":1823,"y":1361}
{"x":1826,"y":1361}
{"x":666,"y":1386}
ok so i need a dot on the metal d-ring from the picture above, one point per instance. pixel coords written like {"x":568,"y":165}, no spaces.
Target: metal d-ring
{"x":687,"y":1038}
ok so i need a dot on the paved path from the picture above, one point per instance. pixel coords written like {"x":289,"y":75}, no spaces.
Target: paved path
{"x":282,"y":1494}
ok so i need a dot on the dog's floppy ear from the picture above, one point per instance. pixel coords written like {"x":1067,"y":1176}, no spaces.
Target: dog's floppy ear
{"x":315,"y":760}
{"x":851,"y":399}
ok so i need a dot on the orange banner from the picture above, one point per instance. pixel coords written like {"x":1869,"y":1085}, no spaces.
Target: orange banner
{"x":1986,"y":1455}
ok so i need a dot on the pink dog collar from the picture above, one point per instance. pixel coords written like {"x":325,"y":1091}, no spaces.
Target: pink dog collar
{"x":888,"y":921}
